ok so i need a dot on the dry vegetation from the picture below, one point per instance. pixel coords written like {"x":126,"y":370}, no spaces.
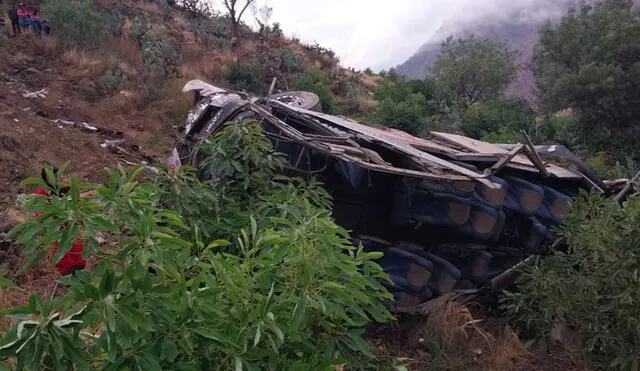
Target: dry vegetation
{"x":451,"y":337}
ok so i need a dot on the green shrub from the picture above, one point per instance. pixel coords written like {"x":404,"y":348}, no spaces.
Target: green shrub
{"x":403,"y":105}
{"x":161,"y":57}
{"x":139,"y":31}
{"x":245,"y":77}
{"x":214,"y":31}
{"x":592,"y":287}
{"x":76,"y":23}
{"x":115,"y":23}
{"x":246,"y":271}
{"x":292,"y":61}
{"x":559,"y":130}
{"x":318,"y":82}
{"x":408,"y":115}
{"x":498,"y":120}
{"x":112,"y":82}
{"x":165,"y":7}
{"x":604,"y":165}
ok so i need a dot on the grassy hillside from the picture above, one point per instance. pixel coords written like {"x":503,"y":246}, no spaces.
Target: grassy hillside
{"x":124,"y":70}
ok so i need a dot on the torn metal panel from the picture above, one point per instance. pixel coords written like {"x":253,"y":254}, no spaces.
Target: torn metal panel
{"x":362,"y":156}
{"x":203,"y":87}
{"x":518,"y":162}
{"x":394,"y":142}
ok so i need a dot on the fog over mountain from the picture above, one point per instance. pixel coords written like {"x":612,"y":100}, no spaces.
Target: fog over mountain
{"x":516,"y":22}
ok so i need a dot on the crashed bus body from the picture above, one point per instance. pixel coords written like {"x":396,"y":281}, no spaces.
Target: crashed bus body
{"x":451,"y":214}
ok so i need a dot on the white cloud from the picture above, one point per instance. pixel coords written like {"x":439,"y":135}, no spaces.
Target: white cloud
{"x":364,"y":33}
{"x":383,"y":33}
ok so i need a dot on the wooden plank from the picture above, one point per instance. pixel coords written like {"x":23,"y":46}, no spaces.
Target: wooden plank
{"x":500,"y":164}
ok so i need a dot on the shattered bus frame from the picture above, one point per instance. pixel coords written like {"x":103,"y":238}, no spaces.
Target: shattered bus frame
{"x":454,"y":216}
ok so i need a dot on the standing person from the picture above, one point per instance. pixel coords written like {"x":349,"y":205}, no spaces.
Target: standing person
{"x":13,"y":16}
{"x":35,"y":23}
{"x":45,"y":27}
{"x":23,"y":17}
{"x":72,"y":260}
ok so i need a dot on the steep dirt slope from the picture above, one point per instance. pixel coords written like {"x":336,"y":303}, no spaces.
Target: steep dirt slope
{"x":29,"y":138}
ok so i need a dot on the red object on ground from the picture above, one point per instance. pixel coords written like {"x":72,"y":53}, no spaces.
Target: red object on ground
{"x":72,"y":260}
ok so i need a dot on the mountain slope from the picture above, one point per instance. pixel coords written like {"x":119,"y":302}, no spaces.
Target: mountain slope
{"x":517,"y":25}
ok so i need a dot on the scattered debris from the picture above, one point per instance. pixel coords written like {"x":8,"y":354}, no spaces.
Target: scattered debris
{"x":88,"y":127}
{"x":42,"y":93}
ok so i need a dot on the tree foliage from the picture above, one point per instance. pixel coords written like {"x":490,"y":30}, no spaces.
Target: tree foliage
{"x":196,"y":8}
{"x":76,"y":23}
{"x":592,"y":287}
{"x":403,"y":104}
{"x":245,"y":270}
{"x":235,"y":11}
{"x":498,"y":120}
{"x":319,"y":83}
{"x":470,"y":70}
{"x":590,"y":62}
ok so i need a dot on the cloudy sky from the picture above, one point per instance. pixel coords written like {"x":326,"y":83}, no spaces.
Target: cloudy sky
{"x":384,"y":33}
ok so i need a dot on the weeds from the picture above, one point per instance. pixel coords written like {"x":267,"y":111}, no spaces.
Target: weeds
{"x":116,"y":23}
{"x":291,"y":61}
{"x":111,"y":82}
{"x":318,"y":82}
{"x":165,"y":7}
{"x":588,"y":291}
{"x":161,"y":57}
{"x":76,"y":23}
{"x":214,"y":31}
{"x":241,"y":271}
{"x":245,"y":77}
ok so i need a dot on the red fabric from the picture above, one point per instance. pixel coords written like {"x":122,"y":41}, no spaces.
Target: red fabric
{"x":23,"y":12}
{"x":72,"y":260}
{"x":40,"y":191}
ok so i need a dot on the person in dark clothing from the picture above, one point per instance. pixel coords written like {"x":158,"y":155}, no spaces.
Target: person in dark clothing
{"x":45,"y":27}
{"x":13,"y":16}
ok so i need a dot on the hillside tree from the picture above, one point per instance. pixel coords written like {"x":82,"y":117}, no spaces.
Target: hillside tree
{"x":235,"y":11}
{"x":590,"y":62}
{"x":470,"y":70}
{"x":403,"y":104}
{"x":196,"y":8}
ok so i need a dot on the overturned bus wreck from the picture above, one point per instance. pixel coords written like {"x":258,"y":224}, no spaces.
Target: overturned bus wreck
{"x":453,"y":215}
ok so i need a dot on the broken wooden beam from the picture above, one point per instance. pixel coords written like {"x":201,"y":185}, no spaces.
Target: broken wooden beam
{"x":533,"y":155}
